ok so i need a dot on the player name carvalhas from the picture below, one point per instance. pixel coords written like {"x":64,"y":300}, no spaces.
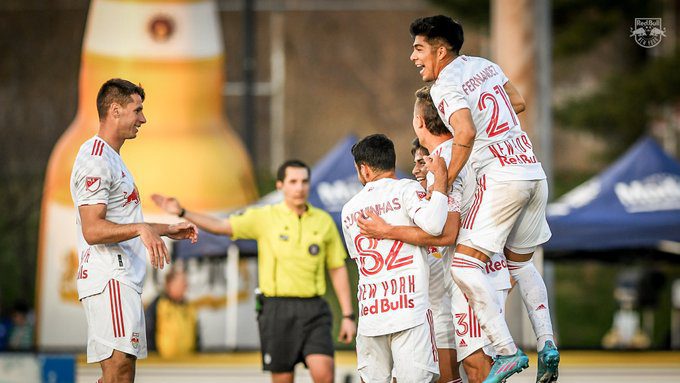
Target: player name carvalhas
{"x":515,"y":151}
{"x":390,"y":295}
{"x":379,"y":208}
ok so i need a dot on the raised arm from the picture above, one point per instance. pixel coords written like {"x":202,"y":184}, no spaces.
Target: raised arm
{"x":204,"y":221}
{"x":432,"y":216}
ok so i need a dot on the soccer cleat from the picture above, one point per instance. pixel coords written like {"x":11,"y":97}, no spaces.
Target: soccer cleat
{"x":548,"y":360}
{"x":506,"y":365}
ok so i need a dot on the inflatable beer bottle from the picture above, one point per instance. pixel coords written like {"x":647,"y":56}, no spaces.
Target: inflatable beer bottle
{"x":173,"y":48}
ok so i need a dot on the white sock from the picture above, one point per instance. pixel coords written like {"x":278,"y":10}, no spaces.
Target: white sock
{"x":535,"y":297}
{"x":468,"y":274}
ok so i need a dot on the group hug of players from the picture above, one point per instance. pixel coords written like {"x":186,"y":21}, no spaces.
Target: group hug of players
{"x":436,"y":255}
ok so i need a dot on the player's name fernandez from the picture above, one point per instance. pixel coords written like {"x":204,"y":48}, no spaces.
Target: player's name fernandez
{"x":478,"y":79}
{"x":379,"y":208}
{"x":514,"y":151}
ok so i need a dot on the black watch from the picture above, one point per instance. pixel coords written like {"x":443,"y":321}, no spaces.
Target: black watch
{"x":350,"y":317}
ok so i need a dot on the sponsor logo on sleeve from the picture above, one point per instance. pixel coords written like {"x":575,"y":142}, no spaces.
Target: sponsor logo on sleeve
{"x":92,"y":184}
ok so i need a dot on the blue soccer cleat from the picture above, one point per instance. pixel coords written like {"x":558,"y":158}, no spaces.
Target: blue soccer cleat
{"x":548,"y":360}
{"x":506,"y":365}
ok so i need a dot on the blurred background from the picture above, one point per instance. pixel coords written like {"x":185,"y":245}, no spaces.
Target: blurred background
{"x":234,"y":87}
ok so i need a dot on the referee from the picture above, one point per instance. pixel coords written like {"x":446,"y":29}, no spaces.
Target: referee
{"x":296,"y":244}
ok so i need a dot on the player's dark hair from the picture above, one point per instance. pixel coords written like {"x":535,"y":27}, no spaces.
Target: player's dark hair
{"x":415,"y":147}
{"x":440,"y":27}
{"x":116,"y":90}
{"x":375,"y":151}
{"x":281,"y":172}
{"x":428,"y":111}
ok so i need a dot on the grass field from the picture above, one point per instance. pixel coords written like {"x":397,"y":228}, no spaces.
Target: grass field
{"x":577,"y":366}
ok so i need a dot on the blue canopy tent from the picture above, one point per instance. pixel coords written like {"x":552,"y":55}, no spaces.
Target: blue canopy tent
{"x":334,"y":182}
{"x":635,"y":203}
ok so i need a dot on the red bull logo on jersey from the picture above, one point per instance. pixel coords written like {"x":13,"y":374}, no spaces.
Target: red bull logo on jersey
{"x":647,"y":32}
{"x":132,"y":197}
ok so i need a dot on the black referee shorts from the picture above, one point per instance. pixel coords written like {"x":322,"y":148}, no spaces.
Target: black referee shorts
{"x":291,"y":329}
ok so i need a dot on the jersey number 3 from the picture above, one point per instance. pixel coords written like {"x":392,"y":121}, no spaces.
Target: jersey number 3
{"x":488,"y":99}
{"x":366,"y":247}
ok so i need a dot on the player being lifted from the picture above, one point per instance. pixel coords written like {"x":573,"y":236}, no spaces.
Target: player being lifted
{"x":468,"y":340}
{"x":479,"y":106}
{"x":395,"y":328}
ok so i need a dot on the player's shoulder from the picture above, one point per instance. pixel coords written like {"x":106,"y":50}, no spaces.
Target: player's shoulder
{"x":95,"y":148}
{"x":407,"y":184}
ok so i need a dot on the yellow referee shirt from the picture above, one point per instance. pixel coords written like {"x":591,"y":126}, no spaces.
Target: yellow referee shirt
{"x":293,"y":252}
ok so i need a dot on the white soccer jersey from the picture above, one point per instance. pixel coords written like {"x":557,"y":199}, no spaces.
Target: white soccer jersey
{"x":393,"y":276}
{"x":99,"y":176}
{"x":500,"y":147}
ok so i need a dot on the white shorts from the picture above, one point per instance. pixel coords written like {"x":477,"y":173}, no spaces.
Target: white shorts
{"x":506,"y":213}
{"x":440,"y":287}
{"x":411,"y":353}
{"x":115,"y":321}
{"x":469,"y":336}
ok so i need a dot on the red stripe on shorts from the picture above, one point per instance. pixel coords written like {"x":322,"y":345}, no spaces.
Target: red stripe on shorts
{"x":121,"y":321}
{"x":433,"y":339}
{"x":113,"y":311}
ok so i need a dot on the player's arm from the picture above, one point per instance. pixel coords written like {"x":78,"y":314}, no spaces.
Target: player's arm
{"x":98,"y":230}
{"x":340,"y":281}
{"x":516,"y":99}
{"x":431,"y":215}
{"x":463,"y":138}
{"x":204,"y":221}
{"x":376,"y":227}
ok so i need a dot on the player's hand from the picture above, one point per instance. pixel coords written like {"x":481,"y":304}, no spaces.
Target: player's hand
{"x":436,"y":165}
{"x":373,"y":226}
{"x":348,"y":330}
{"x":169,"y":204}
{"x":183,"y":230}
{"x":158,"y":253}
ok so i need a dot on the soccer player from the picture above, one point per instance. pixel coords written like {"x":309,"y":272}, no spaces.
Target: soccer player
{"x":296,"y":244}
{"x":112,"y":236}
{"x":479,"y":105}
{"x":395,"y":324}
{"x":468,"y":339}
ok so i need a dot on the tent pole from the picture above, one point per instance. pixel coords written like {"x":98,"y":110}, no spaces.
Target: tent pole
{"x":232,"y":296}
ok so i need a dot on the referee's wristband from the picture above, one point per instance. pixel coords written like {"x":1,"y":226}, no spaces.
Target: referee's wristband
{"x":350,"y":317}
{"x":182,"y":212}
